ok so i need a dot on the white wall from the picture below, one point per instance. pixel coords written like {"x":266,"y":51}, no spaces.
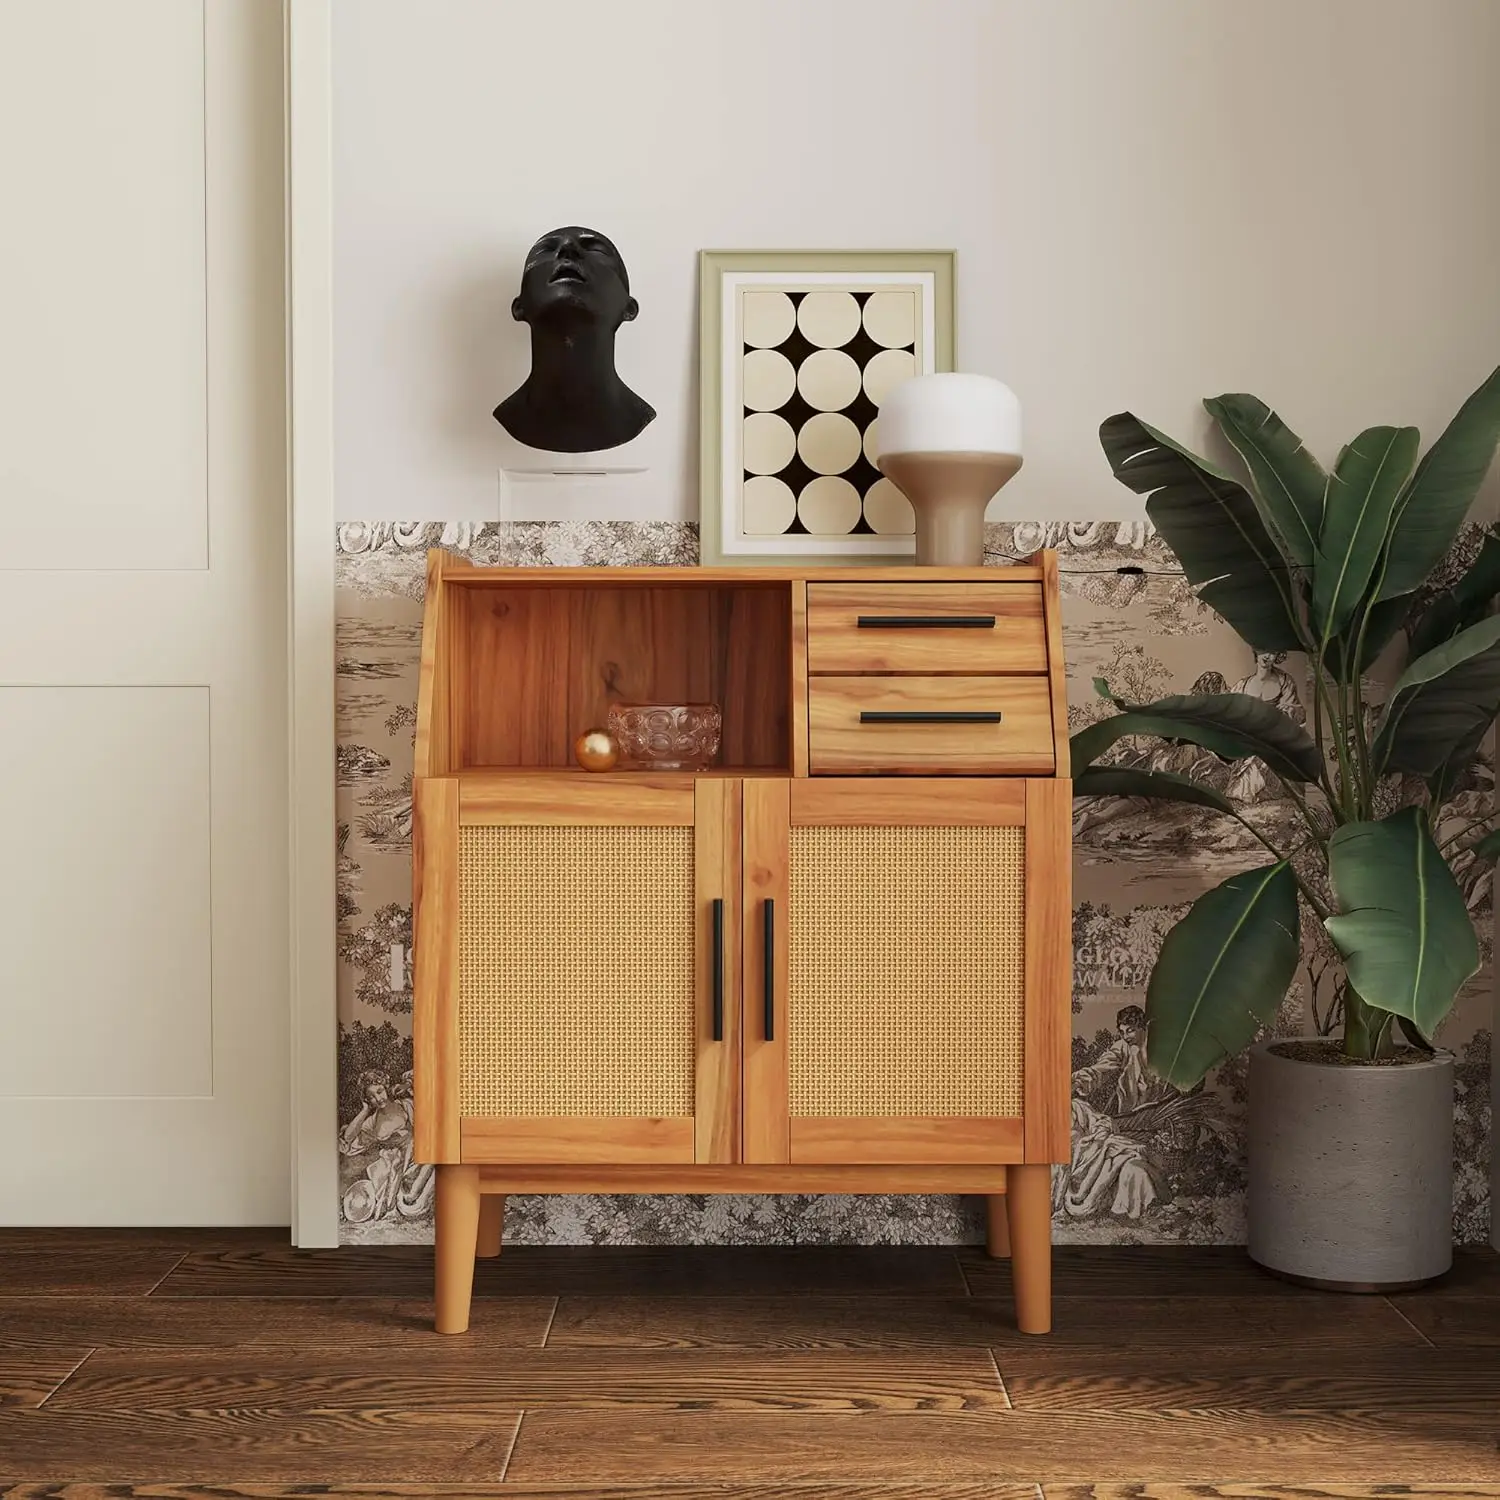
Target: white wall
{"x":1152,"y":200}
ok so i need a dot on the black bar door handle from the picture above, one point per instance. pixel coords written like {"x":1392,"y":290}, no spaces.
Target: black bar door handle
{"x":718,"y":984}
{"x":925,"y":622}
{"x":880,"y":716}
{"x":768,"y":970}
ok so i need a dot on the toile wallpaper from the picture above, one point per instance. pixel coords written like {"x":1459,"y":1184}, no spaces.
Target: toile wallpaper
{"x":1150,"y":1164}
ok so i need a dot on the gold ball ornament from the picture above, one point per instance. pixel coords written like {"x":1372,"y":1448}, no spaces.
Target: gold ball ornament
{"x":596,"y":750}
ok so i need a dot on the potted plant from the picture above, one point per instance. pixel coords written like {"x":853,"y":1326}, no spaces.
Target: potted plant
{"x":1350,"y":1140}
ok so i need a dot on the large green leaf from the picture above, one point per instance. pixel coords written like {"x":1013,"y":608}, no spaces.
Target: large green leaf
{"x":1442,"y":490}
{"x":1402,"y":925}
{"x":1440,"y":701}
{"x":1288,"y":479}
{"x":1213,"y":526}
{"x":1443,"y":782}
{"x":1465,"y":604}
{"x":1232,"y":725}
{"x":1386,"y":617}
{"x":1413,"y":1034}
{"x":1363,"y":491}
{"x":1164,"y":786}
{"x":1489,"y":846}
{"x":1222,"y":972}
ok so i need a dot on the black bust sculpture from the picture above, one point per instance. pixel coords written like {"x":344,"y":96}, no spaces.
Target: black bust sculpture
{"x":575,"y":294}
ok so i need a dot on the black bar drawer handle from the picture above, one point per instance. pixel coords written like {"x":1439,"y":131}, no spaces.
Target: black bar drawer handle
{"x":880,"y":716}
{"x":768,"y":970}
{"x":718,"y":969}
{"x":926,"y":622}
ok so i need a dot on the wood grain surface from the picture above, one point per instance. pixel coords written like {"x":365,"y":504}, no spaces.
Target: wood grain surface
{"x":371,"y":1323}
{"x":544,"y":663}
{"x":771,"y":1322}
{"x":716,"y":886}
{"x":874,"y":1489}
{"x":587,"y":1447}
{"x":746,"y":1179}
{"x":690,"y":1271}
{"x":837,"y":642}
{"x":1236,"y":1490}
{"x":1097,"y":1325}
{"x":1049,"y":970}
{"x":452,"y":1377}
{"x":857,"y":1489}
{"x":632,"y":1141}
{"x":765,"y":888}
{"x":176,"y":1366}
{"x":130,"y":1271}
{"x":934,"y":800}
{"x":473,"y":575}
{"x":267,"y":1446}
{"x":1454,"y":1321}
{"x":1144,"y":1271}
{"x":1377,"y":1379}
{"x":28,"y":1376}
{"x":798,"y":682}
{"x":433,"y":748}
{"x":435,"y":1054}
{"x":576,"y":798}
{"x":841,"y":741}
{"x":904,"y":1139}
{"x":1052,"y":601}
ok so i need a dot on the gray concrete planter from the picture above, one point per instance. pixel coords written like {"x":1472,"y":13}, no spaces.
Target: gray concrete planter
{"x":1351,"y":1170}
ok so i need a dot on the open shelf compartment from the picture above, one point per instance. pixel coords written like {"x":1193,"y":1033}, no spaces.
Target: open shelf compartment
{"x":525,"y":667}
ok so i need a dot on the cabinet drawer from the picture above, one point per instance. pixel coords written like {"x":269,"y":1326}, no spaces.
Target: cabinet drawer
{"x":921,"y":725}
{"x":925,"y":627}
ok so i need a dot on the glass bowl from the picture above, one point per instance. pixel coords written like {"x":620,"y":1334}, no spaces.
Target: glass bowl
{"x":666,"y":736}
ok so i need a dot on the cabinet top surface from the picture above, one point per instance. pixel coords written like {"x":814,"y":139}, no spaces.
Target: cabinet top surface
{"x":816,"y":670}
{"x":453,"y":571}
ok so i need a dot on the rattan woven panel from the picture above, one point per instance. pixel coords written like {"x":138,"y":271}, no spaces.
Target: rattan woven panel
{"x":907,"y":971}
{"x":575,"y":971}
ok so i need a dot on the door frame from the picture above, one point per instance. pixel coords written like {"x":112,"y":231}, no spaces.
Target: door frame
{"x":312,"y":876}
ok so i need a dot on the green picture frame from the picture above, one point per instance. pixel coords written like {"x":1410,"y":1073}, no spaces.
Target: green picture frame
{"x":724,"y":279}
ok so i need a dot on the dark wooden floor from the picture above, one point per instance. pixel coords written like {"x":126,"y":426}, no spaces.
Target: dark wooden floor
{"x":180,"y":1364}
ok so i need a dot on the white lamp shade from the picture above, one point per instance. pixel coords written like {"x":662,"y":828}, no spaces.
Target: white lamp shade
{"x":950,"y":413}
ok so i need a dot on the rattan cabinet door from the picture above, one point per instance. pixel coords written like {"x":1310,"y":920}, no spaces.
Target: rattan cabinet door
{"x":897,"y":1002}
{"x":588,"y":1024}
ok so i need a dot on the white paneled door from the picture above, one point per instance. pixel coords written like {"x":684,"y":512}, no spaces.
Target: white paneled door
{"x":143,"y":743}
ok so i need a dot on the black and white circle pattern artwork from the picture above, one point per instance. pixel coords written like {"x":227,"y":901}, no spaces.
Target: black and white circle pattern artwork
{"x":815,"y":366}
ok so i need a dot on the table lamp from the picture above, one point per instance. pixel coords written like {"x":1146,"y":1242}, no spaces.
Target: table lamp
{"x":948,"y":442}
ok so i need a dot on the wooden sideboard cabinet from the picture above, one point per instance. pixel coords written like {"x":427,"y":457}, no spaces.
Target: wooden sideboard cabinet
{"x":839,"y":961}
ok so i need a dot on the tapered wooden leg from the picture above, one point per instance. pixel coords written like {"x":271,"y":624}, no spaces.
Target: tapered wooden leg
{"x":491,"y":1225}
{"x":997,"y":1228}
{"x":457,"y":1240}
{"x":1029,"y":1197}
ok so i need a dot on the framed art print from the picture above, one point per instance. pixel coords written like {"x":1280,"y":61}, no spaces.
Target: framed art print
{"x":798,"y":350}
